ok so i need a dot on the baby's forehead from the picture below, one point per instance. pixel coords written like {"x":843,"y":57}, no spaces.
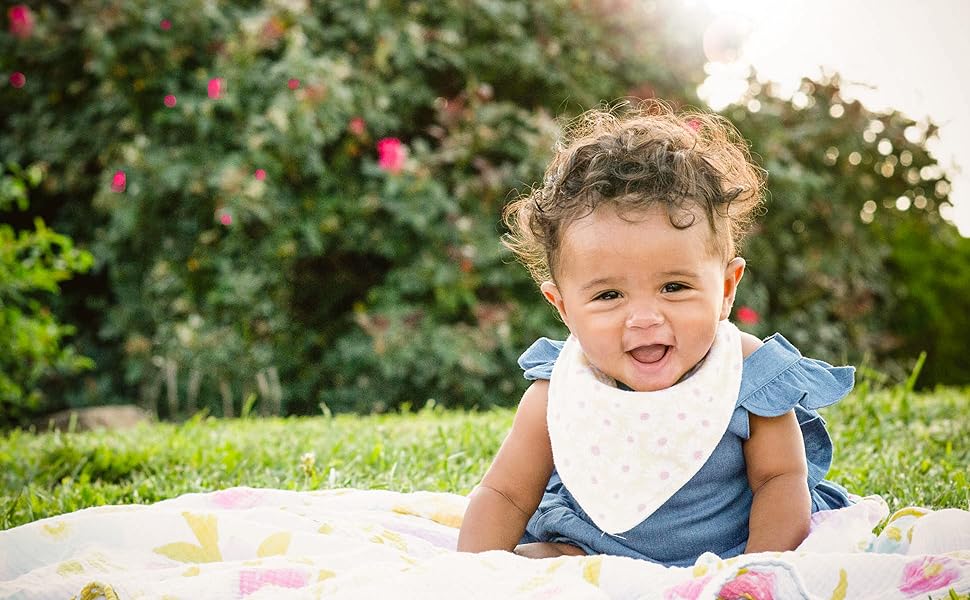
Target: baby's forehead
{"x":684,"y":216}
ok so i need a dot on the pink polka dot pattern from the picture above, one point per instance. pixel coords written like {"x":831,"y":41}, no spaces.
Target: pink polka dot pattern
{"x":640,"y":447}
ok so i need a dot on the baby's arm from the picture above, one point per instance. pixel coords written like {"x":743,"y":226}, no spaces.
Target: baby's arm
{"x":778,"y":475}
{"x":501,"y":505}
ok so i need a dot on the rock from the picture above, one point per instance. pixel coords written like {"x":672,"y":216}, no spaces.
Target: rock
{"x":123,"y":416}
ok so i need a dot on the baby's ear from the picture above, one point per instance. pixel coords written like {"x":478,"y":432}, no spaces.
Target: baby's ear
{"x":732,"y":277}
{"x":552,"y":295}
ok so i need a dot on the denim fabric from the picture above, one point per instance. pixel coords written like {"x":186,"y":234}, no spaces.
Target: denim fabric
{"x":710,"y":513}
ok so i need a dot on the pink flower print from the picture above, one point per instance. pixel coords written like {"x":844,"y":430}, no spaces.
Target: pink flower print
{"x":748,"y":316}
{"x":21,"y":21}
{"x":235,"y":498}
{"x":391,"y":154}
{"x":165,"y":24}
{"x":119,"y":181}
{"x":927,"y":574}
{"x":293,"y":83}
{"x":170,"y":100}
{"x":216,"y":85}
{"x":688,"y":590}
{"x":17,"y":79}
{"x":251,"y":580}
{"x":749,"y":585}
{"x":357,"y":126}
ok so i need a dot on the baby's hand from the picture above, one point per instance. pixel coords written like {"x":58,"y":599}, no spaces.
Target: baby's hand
{"x":548,"y":550}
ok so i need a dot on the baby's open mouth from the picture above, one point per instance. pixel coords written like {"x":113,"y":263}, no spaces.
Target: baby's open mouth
{"x":649,"y":354}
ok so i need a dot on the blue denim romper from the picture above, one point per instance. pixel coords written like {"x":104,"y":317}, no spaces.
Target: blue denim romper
{"x":710,"y":513}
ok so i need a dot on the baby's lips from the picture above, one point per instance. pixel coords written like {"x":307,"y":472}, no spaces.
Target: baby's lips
{"x":649,"y":354}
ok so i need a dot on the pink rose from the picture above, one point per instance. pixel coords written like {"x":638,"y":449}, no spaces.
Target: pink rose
{"x":226,"y":219}
{"x":260,"y":174}
{"x":293,"y":83}
{"x":170,"y":100}
{"x":391,"y":154}
{"x":215,"y":87}
{"x":21,"y":21}
{"x":927,"y":574}
{"x":165,"y":24}
{"x":18,"y":80}
{"x":357,"y":126}
{"x":749,"y":585}
{"x":119,"y":181}
{"x":748,"y":316}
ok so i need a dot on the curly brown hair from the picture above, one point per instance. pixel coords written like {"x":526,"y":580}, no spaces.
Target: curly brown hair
{"x":634,"y":157}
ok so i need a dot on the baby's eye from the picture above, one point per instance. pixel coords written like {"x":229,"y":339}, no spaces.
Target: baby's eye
{"x":610,"y":295}
{"x":670,"y":288}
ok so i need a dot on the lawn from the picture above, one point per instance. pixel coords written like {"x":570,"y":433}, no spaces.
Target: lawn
{"x":911,"y":448}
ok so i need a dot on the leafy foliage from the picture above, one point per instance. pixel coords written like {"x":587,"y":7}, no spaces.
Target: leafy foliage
{"x":32,"y":264}
{"x":247,"y":232}
{"x":295,"y":203}
{"x":854,"y":203}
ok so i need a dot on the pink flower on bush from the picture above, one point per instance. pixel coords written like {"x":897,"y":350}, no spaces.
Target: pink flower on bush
{"x":260,"y":174}
{"x":225,"y":218}
{"x":749,"y":585}
{"x":748,"y":316}
{"x":119,"y":181}
{"x":391,"y":154}
{"x":165,"y":24}
{"x":17,"y":79}
{"x":927,"y":574}
{"x":21,"y":21}
{"x":357,"y":126}
{"x":170,"y":100}
{"x":293,"y":83}
{"x":215,"y":87}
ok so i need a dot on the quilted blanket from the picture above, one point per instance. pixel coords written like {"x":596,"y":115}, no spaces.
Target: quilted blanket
{"x":264,"y":543}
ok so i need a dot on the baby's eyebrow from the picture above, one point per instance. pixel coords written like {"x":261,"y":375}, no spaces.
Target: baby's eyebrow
{"x":675,"y":273}
{"x":597,"y":282}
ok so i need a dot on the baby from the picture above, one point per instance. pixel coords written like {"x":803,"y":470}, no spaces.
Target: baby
{"x":657,"y":430}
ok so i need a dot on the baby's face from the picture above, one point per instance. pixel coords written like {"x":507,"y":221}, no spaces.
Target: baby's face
{"x":642,"y":297}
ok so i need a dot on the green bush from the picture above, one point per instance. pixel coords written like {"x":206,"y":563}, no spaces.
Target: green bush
{"x":296,"y":203}
{"x":251,"y":242}
{"x":32,"y":342}
{"x":852,"y":223}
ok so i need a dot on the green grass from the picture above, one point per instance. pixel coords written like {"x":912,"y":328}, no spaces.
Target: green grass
{"x":910,"y":448}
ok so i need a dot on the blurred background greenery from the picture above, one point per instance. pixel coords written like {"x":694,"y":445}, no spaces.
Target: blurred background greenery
{"x":281,"y":206}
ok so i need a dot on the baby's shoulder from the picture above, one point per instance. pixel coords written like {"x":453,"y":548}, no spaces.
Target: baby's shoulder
{"x":776,"y":377}
{"x":749,"y":344}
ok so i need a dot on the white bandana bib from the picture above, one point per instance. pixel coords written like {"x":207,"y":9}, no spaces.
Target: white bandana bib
{"x":622,"y":454}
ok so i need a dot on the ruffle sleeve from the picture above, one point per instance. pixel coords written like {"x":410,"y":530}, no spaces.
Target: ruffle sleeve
{"x":539,"y":358}
{"x":777,"y":378}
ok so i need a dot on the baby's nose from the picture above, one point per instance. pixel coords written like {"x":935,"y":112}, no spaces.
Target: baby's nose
{"x":644,"y":316}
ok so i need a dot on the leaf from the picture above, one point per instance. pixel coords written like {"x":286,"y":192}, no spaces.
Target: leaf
{"x":205,"y":528}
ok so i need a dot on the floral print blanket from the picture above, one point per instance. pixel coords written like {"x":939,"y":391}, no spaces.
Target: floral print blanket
{"x":264,"y":543}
